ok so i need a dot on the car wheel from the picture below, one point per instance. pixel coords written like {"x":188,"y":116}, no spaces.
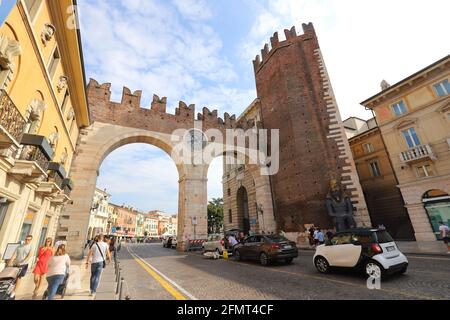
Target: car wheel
{"x":237,"y":255}
{"x":374,"y":269}
{"x":289,"y":260}
{"x":264,"y":259}
{"x":322,"y":265}
{"x":403,"y":271}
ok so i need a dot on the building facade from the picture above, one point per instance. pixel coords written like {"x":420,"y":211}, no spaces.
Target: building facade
{"x":414,"y":120}
{"x":151,"y":226}
{"x":42,"y":108}
{"x":378,"y":180}
{"x":240,"y":207}
{"x":98,"y":221}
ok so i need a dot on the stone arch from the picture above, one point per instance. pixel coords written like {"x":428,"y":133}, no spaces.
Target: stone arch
{"x":95,"y":144}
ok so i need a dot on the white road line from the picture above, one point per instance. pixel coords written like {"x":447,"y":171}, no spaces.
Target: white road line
{"x":182,"y":290}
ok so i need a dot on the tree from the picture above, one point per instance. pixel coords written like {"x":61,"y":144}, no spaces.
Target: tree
{"x":215,"y":215}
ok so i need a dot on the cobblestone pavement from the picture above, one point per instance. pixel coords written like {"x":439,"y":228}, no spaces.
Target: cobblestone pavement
{"x":200,"y":278}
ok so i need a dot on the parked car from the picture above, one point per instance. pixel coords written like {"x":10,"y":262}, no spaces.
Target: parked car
{"x":170,"y":242}
{"x":266,"y":249}
{"x":372,"y":250}
{"x":215,"y":243}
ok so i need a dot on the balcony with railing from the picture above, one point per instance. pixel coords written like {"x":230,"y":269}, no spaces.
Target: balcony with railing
{"x":12,"y":123}
{"x":67,"y":186}
{"x":416,"y":154}
{"x":55,"y":176}
{"x":33,"y":161}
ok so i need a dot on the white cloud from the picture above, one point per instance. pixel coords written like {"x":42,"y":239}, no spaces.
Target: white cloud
{"x":193,"y":9}
{"x":363,"y":42}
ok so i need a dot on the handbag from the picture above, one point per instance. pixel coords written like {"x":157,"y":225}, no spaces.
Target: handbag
{"x":101,"y":253}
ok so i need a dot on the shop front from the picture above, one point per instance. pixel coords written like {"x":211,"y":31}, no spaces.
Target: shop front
{"x":437,"y":206}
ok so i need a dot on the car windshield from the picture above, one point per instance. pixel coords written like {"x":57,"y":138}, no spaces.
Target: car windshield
{"x":276,"y":238}
{"x":384,"y":237}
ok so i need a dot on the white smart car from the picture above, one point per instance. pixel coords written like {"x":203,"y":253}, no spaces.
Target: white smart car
{"x":372,"y":250}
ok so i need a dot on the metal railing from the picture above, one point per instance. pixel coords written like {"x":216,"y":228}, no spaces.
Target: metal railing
{"x":120,"y":281}
{"x":417,"y":153}
{"x":34,"y":153}
{"x":54,"y":177}
{"x":10,"y":117}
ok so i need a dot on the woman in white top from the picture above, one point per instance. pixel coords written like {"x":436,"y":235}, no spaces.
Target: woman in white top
{"x":58,"y":267}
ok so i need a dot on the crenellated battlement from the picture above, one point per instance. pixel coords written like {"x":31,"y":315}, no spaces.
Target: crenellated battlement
{"x":275,"y":43}
{"x":99,"y":95}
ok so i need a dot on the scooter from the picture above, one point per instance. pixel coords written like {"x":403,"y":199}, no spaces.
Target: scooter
{"x":8,"y":281}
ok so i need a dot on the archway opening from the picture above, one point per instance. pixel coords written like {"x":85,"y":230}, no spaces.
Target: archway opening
{"x":141,"y":181}
{"x":437,"y":206}
{"x":215,"y":197}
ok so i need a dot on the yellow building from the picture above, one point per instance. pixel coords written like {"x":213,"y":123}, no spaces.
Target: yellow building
{"x":414,"y":120}
{"x":42,"y":107}
{"x":378,"y":180}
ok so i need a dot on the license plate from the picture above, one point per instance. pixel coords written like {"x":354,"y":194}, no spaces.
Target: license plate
{"x":288,"y":247}
{"x":390,"y":249}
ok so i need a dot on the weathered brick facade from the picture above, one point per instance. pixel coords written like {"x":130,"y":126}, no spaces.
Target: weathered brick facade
{"x":296,"y":97}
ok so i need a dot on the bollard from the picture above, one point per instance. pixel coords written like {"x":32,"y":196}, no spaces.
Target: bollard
{"x":121,"y":289}
{"x":118,"y":282}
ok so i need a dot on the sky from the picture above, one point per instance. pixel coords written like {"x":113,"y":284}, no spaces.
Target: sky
{"x":201,"y":52}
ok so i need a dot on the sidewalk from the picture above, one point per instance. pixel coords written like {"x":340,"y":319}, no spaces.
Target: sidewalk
{"x":77,"y":289}
{"x":409,"y":247}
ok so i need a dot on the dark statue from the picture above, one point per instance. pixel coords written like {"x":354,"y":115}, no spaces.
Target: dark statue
{"x":340,"y":207}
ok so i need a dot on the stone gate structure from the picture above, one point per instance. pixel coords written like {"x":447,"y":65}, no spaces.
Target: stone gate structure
{"x":295,"y":95}
{"x":118,"y":124}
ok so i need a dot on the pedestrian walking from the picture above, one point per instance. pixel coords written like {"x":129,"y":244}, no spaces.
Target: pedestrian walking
{"x":311,"y":235}
{"x":320,"y":237}
{"x":44,"y":254}
{"x":445,"y":234}
{"x":315,"y":236}
{"x":58,"y":268}
{"x":99,"y":252}
{"x":21,"y":258}
{"x":112,"y":247}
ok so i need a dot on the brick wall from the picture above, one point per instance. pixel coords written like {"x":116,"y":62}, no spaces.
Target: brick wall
{"x":296,"y":97}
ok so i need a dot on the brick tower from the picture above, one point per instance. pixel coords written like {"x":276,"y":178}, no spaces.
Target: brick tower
{"x":297,"y":98}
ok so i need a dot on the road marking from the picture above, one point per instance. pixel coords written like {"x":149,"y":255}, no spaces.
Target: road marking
{"x":171,"y":286}
{"x":343,"y":282}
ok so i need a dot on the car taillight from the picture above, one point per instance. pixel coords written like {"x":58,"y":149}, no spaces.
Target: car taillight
{"x":276,"y":246}
{"x":376,"y":248}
